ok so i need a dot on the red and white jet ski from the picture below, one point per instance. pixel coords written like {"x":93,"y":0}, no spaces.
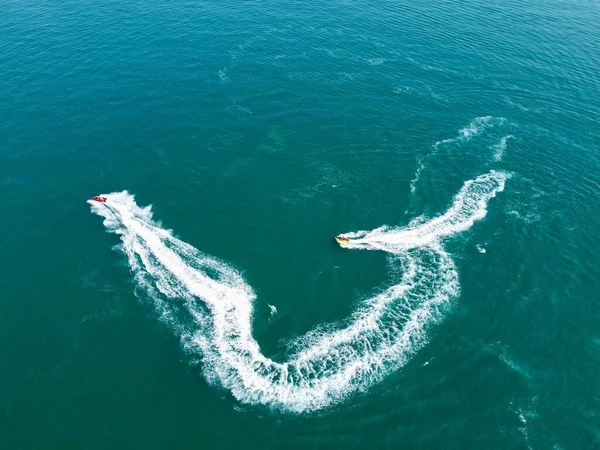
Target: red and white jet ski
{"x":99,"y":199}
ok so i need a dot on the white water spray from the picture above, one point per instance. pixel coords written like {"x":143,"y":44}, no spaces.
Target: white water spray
{"x":211,"y":305}
{"x":476,"y":127}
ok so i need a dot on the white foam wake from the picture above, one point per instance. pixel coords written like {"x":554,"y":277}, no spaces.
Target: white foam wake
{"x":470,"y":205}
{"x":211,"y":305}
{"x":474,"y":128}
{"x":500,"y":147}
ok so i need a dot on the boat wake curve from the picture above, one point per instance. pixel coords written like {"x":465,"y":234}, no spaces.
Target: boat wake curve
{"x":210,"y":305}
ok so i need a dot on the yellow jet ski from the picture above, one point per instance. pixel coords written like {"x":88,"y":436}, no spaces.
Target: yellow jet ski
{"x":341,"y":240}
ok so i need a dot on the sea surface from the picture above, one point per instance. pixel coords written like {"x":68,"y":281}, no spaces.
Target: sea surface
{"x":206,"y":305}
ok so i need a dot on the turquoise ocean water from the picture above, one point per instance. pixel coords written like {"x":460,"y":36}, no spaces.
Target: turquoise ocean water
{"x":456,"y":143}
